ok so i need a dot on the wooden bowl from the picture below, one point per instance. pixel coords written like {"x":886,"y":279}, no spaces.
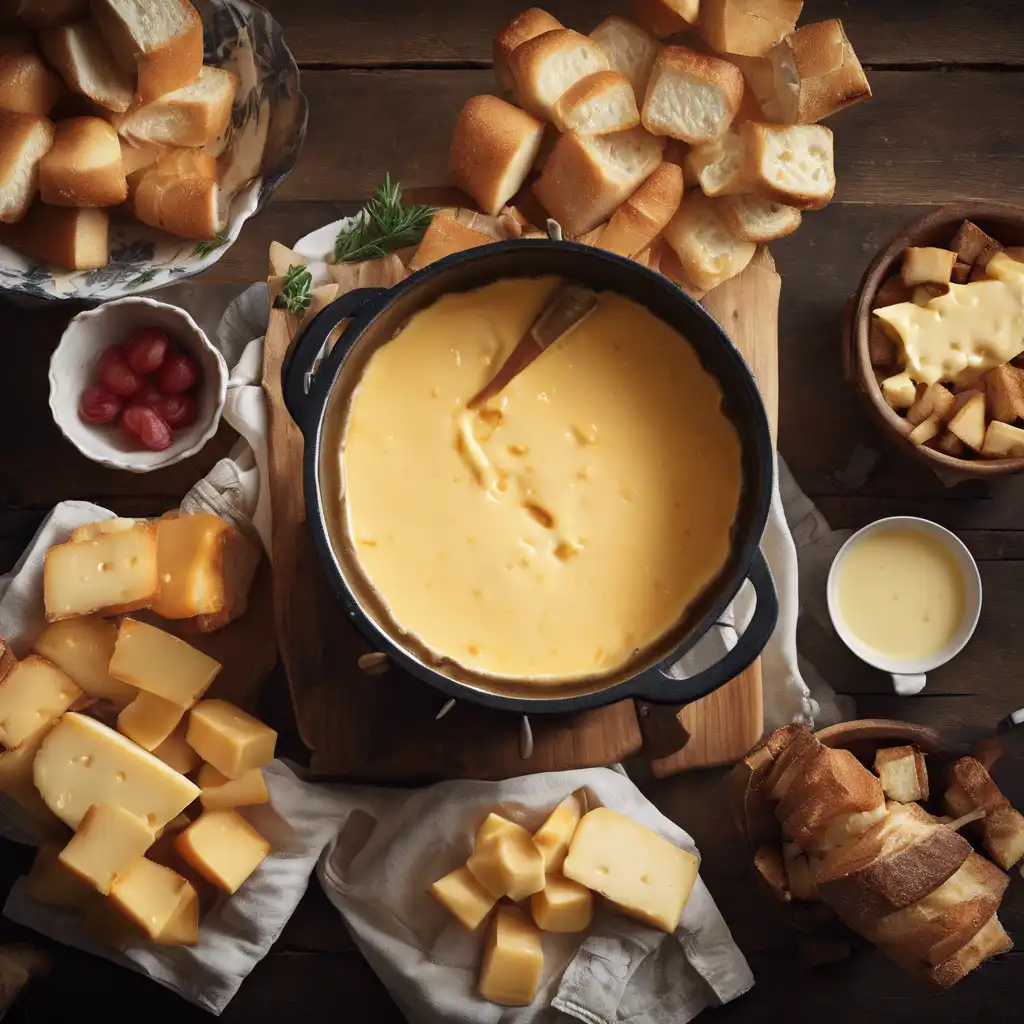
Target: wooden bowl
{"x":866,"y":735}
{"x":1006,"y":225}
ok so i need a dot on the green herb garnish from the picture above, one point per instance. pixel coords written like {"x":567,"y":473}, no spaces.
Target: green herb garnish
{"x":294,"y":295}
{"x":205,"y":248}
{"x":387,"y":224}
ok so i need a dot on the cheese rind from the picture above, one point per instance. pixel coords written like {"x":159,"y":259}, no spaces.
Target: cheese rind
{"x":513,"y":960}
{"x":562,"y":906}
{"x":509,"y":865}
{"x":223,"y":847}
{"x":639,"y":871}
{"x":151,"y":896}
{"x":149,"y":720}
{"x":461,"y":894}
{"x":161,"y":664}
{"x":190,"y":565}
{"x":83,"y":648}
{"x":231,"y":740}
{"x":114,"y":573}
{"x":108,"y":839}
{"x":219,"y":792}
{"x":554,"y":836}
{"x":82,"y":762}
{"x":32,"y":696}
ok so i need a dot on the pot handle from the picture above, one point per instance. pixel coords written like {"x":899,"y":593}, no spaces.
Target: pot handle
{"x":300,"y":361}
{"x":658,"y":687}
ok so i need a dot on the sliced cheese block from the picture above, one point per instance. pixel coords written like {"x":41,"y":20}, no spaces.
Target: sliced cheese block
{"x":190,"y":560}
{"x":32,"y":696}
{"x":107,"y":840}
{"x":464,"y":896}
{"x":115,"y":572}
{"x":223,"y":847}
{"x":229,"y":739}
{"x":491,"y":827}
{"x":562,"y":906}
{"x":174,"y":751}
{"x":83,"y":648}
{"x":51,"y":883}
{"x":83,"y":762}
{"x":149,"y":720}
{"x":152,"y":896}
{"x":16,"y":782}
{"x":509,"y":865}
{"x":554,"y":836}
{"x":644,"y":875}
{"x":161,"y":664}
{"x":513,"y":960}
{"x":220,"y":792}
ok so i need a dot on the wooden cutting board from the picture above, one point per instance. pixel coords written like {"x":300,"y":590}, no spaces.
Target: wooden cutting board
{"x":384,"y":729}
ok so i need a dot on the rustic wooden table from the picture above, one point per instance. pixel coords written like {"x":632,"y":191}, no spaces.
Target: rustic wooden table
{"x":384,"y":81}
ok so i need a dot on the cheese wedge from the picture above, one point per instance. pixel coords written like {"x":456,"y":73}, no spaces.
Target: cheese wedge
{"x":223,"y":847}
{"x":83,"y":648}
{"x":229,"y":739}
{"x":149,"y":720}
{"x":33,"y":696}
{"x":153,"y":897}
{"x":107,"y":841}
{"x":219,"y":792}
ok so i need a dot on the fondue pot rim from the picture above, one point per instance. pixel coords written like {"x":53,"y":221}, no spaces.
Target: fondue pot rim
{"x":307,"y":391}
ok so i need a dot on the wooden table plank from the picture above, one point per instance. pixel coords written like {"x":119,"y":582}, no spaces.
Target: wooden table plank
{"x":415,"y":33}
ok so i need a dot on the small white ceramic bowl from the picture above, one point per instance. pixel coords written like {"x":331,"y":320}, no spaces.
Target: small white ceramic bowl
{"x":909,"y":675}
{"x":75,"y":364}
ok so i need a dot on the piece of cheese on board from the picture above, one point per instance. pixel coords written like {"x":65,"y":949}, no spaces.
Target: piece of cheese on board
{"x":83,"y":648}
{"x":491,"y":827}
{"x":219,"y":792}
{"x":562,"y":906}
{"x":82,"y":762}
{"x":32,"y":696}
{"x":513,"y":959}
{"x":223,"y":847}
{"x":554,"y":836}
{"x":149,"y":720}
{"x":153,"y":898}
{"x":190,"y":557}
{"x":461,"y":894}
{"x":108,"y":839}
{"x":509,"y":865}
{"x":174,"y":751}
{"x":230,"y":739}
{"x":90,"y":531}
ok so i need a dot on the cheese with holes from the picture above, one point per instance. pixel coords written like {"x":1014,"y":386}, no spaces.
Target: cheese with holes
{"x":149,"y":720}
{"x":32,"y":696}
{"x":223,"y":847}
{"x":220,"y":792}
{"x":642,"y":874}
{"x":463,"y":896}
{"x":161,"y":664}
{"x":174,"y":751}
{"x":83,"y":648}
{"x":491,"y":827}
{"x":513,"y":959}
{"x":108,"y":839}
{"x":509,"y":865}
{"x":152,"y":897}
{"x":229,"y":739}
{"x":562,"y":906}
{"x":83,"y":762}
{"x":190,"y":559}
{"x":17,"y":783}
{"x":554,"y":836}
{"x":115,"y":572}
{"x":90,"y":531}
{"x":51,"y":883}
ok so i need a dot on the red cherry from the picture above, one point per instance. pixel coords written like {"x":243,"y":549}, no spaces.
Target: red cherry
{"x":178,"y":410}
{"x":116,"y":376}
{"x":147,"y":395}
{"x":148,"y":426}
{"x":177,"y":374}
{"x":98,"y":406}
{"x":145,"y":349}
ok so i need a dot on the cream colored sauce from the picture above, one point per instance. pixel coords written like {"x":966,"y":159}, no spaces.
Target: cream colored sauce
{"x":901,"y":592}
{"x":567,"y":524}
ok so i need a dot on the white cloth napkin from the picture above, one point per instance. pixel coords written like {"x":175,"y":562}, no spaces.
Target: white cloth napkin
{"x":395,"y":843}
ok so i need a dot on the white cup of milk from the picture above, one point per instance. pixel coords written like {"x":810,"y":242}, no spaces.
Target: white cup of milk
{"x":904,"y":595}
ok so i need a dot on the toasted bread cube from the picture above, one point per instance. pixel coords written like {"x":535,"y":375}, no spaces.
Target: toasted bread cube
{"x":1003,"y":441}
{"x":223,"y":847}
{"x":747,"y":27}
{"x":927,"y":265}
{"x":971,"y":788}
{"x":924,"y":293}
{"x":961,"y":272}
{"x":891,"y":292}
{"x":562,"y":906}
{"x":523,"y":27}
{"x":24,"y":141}
{"x":707,"y":249}
{"x":555,"y":835}
{"x":154,"y":898}
{"x":899,"y":391}
{"x":1002,"y":834}
{"x":717,"y":166}
{"x":973,"y":246}
{"x":547,"y":66}
{"x":936,"y":401}
{"x":790,"y":164}
{"x":759,"y":220}
{"x":925,"y":431}
{"x":903,"y":773}
{"x":597,"y":105}
{"x":33,"y":695}
{"x":969,"y":422}
{"x":513,"y":960}
{"x":231,"y":740}
{"x":1004,"y":392}
{"x":461,"y":894}
{"x":666,"y":17}
{"x":84,"y":166}
{"x":629,"y":49}
{"x":107,"y":841}
{"x":76,"y":238}
{"x":882,"y":350}
{"x":27,"y":85}
{"x":949,"y":444}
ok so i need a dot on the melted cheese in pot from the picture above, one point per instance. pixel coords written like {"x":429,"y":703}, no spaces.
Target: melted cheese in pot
{"x":570,"y":522}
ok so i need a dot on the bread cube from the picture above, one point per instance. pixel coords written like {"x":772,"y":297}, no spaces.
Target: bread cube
{"x":925,"y":431}
{"x":973,"y":246}
{"x":643,"y":216}
{"x":748,"y":27}
{"x":597,"y":105}
{"x":759,"y":220}
{"x":899,"y":391}
{"x":792,"y":165}
{"x":926,"y":265}
{"x":707,"y":249}
{"x":1003,"y":441}
{"x":630,"y":50}
{"x":969,"y":422}
{"x":27,"y":85}
{"x":83,"y":167}
{"x":523,"y":27}
{"x":545,"y":67}
{"x":1004,"y":393}
{"x":935,"y":402}
{"x":666,"y":17}
{"x":717,"y":166}
{"x":24,"y":140}
{"x":903,"y":774}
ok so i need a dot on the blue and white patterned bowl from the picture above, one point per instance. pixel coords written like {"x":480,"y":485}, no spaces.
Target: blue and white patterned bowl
{"x":268,"y":126}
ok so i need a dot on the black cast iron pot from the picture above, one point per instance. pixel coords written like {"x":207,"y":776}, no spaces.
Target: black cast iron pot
{"x":317,"y":396}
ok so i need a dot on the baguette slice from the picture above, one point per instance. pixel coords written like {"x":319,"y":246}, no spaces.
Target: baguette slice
{"x":666,"y":17}
{"x":707,"y":249}
{"x":493,"y":148}
{"x":791,"y":762}
{"x":197,"y":114}
{"x":971,"y":788}
{"x":548,"y":65}
{"x":161,"y":41}
{"x":691,"y":96}
{"x":83,"y":167}
{"x":717,"y":166}
{"x":599,"y":104}
{"x":82,"y":58}
{"x":71,"y":237}
{"x":24,"y":140}
{"x":587,"y":178}
{"x":523,"y":27}
{"x":630,"y":50}
{"x":759,"y":220}
{"x":644,"y":215}
{"x":747,"y":27}
{"x":1002,"y":834}
{"x":670,"y":266}
{"x":790,"y":164}
{"x":27,"y":85}
{"x":188,"y":207}
{"x":990,"y":941}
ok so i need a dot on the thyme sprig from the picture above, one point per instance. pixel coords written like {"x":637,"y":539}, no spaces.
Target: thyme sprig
{"x":387,"y":224}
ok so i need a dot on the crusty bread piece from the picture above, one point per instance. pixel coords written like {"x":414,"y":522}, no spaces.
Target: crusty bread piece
{"x":990,"y":941}
{"x":752,"y":810}
{"x":770,"y":867}
{"x":630,"y":50}
{"x":643,"y":216}
{"x":666,"y":17}
{"x":81,"y":56}
{"x":444,"y":237}
{"x":83,"y":167}
{"x":531,"y":23}
{"x":44,"y":13}
{"x":24,"y":140}
{"x":599,"y":104}
{"x":587,"y":178}
{"x":756,"y":219}
{"x":926,"y":265}
{"x":707,"y":249}
{"x":493,"y":148}
{"x":790,"y":164}
{"x":759,"y":75}
{"x":971,"y":788}
{"x":902,"y":772}
{"x":27,"y":85}
{"x":548,"y":65}
{"x":791,"y":761}
{"x":748,"y":27}
{"x":717,"y":166}
{"x":817,"y":73}
{"x":188,"y":207}
{"x":72,"y":237}
{"x":1004,"y":393}
{"x":670,"y":266}
{"x":1002,"y":834}
{"x":973,"y":245}
{"x":161,"y":41}
{"x":691,"y":96}
{"x":138,"y":156}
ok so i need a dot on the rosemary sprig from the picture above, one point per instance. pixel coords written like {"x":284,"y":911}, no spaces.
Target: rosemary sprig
{"x":204,"y":249}
{"x":294,"y":295}
{"x":387,"y":224}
